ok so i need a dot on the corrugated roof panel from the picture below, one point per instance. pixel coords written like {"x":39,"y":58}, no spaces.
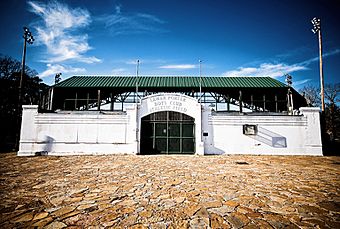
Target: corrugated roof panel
{"x":169,"y":81}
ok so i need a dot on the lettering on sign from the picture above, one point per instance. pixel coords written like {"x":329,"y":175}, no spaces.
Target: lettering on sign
{"x":160,"y":103}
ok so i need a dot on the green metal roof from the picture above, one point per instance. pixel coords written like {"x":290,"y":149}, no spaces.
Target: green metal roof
{"x":169,"y":82}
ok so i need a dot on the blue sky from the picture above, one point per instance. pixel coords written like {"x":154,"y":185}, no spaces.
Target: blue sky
{"x":232,"y":38}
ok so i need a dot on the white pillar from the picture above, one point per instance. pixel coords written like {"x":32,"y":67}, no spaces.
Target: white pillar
{"x":28,"y":130}
{"x":313,"y":131}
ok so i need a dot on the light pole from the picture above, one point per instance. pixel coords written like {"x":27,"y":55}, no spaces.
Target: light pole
{"x":317,"y":29}
{"x":28,"y":38}
{"x":290,"y":104}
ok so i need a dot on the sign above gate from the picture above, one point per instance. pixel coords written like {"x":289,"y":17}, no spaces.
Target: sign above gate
{"x":169,"y":102}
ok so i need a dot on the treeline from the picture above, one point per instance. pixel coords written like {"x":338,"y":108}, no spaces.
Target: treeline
{"x":10,"y":114}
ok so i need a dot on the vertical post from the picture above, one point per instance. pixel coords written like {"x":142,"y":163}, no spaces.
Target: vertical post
{"x":264,"y":102}
{"x":87,"y":100}
{"x":216,"y":104}
{"x":240,"y":100}
{"x":317,"y":29}
{"x":276,"y":107}
{"x":321,"y":73}
{"x":291,"y":100}
{"x":200,"y":69}
{"x":76,"y":102}
{"x":252,"y":102}
{"x":137,"y":72}
{"x":112,"y":102}
{"x":98,"y":99}
{"x":51,"y":99}
{"x":228,"y":103}
{"x":22,"y":73}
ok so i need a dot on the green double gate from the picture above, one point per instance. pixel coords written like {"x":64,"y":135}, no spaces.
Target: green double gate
{"x":167,"y":132}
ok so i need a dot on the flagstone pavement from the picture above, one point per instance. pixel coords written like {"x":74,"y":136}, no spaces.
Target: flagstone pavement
{"x":169,"y":191}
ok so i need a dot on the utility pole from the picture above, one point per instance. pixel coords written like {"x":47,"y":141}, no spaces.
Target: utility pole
{"x":317,"y":29}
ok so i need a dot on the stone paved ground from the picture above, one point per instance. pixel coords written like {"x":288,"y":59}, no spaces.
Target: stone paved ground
{"x":169,"y":192}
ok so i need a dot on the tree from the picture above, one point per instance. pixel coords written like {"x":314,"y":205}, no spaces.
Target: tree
{"x":312,"y":95}
{"x":330,"y":124}
{"x":332,"y":111}
{"x":10,"y":115}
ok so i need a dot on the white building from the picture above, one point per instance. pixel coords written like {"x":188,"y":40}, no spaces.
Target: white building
{"x":166,"y":115}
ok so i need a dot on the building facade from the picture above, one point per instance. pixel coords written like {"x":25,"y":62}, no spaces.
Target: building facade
{"x":168,"y":123}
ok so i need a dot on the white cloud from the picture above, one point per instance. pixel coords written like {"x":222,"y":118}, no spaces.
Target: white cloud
{"x":132,"y":62}
{"x":277,"y":70}
{"x":59,"y":31}
{"x":143,"y":61}
{"x":266,"y":69}
{"x":53,"y":69}
{"x":119,"y":71}
{"x":327,"y":54}
{"x":300,"y":82}
{"x":178,"y":66}
{"x":120,"y":23}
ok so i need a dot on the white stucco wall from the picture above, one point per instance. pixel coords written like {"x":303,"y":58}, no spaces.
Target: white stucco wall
{"x":78,"y":133}
{"x":277,"y":135}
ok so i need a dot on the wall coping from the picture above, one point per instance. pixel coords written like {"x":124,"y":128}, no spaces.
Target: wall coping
{"x":30,"y":107}
{"x":309,"y":109}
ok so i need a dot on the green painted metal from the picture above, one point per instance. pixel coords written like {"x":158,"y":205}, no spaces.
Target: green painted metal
{"x":169,"y":82}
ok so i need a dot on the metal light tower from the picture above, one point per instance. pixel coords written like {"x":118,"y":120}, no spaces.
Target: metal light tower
{"x":317,"y":29}
{"x":290,"y":104}
{"x":28,"y":38}
{"x":57,"y":78}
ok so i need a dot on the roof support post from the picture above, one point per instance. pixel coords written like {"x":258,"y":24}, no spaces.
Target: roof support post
{"x":264,"y":102}
{"x":87,"y":100}
{"x":252,"y":102}
{"x":98,"y":99}
{"x":276,"y":106}
{"x":76,"y":101}
{"x":112,"y":102}
{"x":228,"y":103}
{"x":51,"y":99}
{"x":215,"y":103}
{"x":240,"y":100}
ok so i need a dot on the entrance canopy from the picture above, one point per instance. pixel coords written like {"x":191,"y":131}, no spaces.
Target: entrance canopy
{"x":254,"y":93}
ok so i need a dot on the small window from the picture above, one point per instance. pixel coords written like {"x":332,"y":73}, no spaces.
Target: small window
{"x":249,"y":129}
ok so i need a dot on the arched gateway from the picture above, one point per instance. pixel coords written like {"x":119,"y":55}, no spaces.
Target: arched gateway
{"x":167,"y":132}
{"x":169,"y":123}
